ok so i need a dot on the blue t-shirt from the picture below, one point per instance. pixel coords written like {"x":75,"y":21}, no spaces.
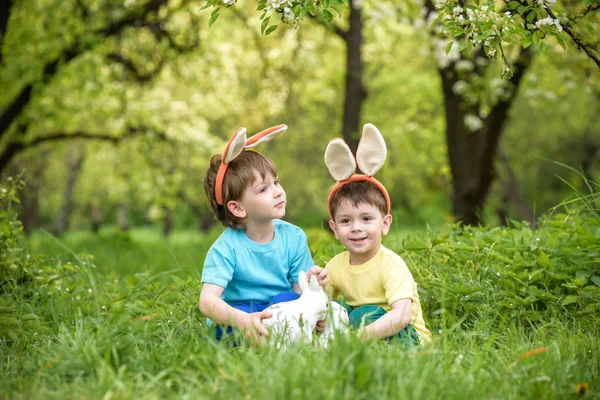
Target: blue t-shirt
{"x":255,"y":272}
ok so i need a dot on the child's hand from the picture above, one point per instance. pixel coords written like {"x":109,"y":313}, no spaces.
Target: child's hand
{"x":253,"y":328}
{"x":320,"y":326}
{"x":319,"y":273}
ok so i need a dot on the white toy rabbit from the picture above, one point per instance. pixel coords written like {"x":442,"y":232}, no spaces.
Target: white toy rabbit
{"x":336,"y":321}
{"x":294,"y":321}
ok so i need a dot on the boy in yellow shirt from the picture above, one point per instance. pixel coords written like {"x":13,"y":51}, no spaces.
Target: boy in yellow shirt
{"x":379,"y":290}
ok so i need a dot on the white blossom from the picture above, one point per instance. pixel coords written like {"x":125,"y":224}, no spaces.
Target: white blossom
{"x":464,"y":65}
{"x":473,"y":122}
{"x":460,"y":87}
{"x":549,"y":21}
{"x":288,"y":14}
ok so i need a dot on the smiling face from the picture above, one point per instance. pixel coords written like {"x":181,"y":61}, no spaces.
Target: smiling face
{"x":262,"y":201}
{"x":360,"y":228}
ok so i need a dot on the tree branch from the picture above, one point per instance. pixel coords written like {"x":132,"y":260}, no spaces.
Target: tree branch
{"x":333,"y":28}
{"x":130,"y":66}
{"x":5,"y":6}
{"x":14,"y":148}
{"x":578,"y":42}
{"x":14,"y":109}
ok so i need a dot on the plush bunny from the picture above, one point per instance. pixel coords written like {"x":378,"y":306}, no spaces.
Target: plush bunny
{"x":336,"y":322}
{"x":370,"y":157}
{"x":294,"y":321}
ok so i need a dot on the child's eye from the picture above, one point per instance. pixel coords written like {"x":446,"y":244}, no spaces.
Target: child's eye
{"x":263,"y":189}
{"x":367,"y":218}
{"x":344,"y":221}
{"x":277,"y":183}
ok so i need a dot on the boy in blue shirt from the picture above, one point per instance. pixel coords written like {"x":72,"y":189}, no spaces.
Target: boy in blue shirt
{"x":256,"y":260}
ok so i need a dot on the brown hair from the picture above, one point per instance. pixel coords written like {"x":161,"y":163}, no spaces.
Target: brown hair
{"x":357,"y":193}
{"x":239,"y":175}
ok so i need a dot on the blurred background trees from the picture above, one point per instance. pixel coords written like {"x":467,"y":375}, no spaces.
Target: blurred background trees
{"x":113,"y":109}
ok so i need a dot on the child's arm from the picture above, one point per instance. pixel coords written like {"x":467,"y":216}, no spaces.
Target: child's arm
{"x":392,"y":322}
{"x":213,"y":307}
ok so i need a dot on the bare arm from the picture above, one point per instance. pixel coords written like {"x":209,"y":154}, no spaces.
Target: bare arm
{"x":392,"y":322}
{"x":213,"y":307}
{"x":296,"y":287}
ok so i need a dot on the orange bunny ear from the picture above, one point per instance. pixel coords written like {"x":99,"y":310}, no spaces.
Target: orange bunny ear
{"x":266,"y":135}
{"x":235,"y":146}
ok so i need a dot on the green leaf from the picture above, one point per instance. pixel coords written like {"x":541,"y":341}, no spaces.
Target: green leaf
{"x":513,"y":5}
{"x":596,"y":280}
{"x":271,"y":29}
{"x":562,"y":40}
{"x":543,"y":259}
{"x":264,"y":24}
{"x":449,"y":47}
{"x":213,"y":17}
{"x":327,"y":16}
{"x":569,"y":300}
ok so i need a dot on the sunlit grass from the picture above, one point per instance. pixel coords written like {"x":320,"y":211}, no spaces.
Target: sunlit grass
{"x":124,"y":323}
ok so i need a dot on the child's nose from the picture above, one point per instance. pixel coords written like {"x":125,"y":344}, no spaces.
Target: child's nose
{"x":278,"y":191}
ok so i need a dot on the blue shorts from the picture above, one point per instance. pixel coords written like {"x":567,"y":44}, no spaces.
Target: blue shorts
{"x":252,"y":307}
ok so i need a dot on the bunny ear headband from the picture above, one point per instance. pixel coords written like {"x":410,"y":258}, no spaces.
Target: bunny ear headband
{"x":235,"y":146}
{"x":370,"y":156}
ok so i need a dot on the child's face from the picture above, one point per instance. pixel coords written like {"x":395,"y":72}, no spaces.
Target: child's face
{"x":360,"y":230}
{"x":262,"y":201}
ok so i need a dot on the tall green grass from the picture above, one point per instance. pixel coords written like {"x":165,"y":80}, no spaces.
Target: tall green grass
{"x":514,"y":313}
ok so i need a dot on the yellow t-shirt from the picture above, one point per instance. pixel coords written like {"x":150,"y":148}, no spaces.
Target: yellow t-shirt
{"x":381,"y":281}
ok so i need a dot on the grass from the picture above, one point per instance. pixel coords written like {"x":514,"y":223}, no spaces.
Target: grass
{"x":123,"y":323}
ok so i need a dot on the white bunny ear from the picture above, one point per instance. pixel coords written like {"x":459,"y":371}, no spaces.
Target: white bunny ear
{"x":235,"y":145}
{"x":302,"y":281}
{"x":314,"y":284}
{"x":339,"y":160}
{"x":371,"y":151}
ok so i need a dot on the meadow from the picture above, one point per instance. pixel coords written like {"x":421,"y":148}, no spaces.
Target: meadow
{"x":514,"y":313}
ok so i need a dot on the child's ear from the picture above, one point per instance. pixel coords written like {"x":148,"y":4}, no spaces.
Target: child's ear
{"x":387,"y":222}
{"x":333,"y":228}
{"x":236,"y":209}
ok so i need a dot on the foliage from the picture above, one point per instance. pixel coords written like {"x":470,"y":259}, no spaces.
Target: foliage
{"x":16,"y":267}
{"x":524,"y":23}
{"x":291,"y":12}
{"x":526,"y":275}
{"x":487,"y":23}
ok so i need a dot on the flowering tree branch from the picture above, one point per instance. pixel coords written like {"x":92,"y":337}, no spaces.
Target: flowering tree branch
{"x":591,"y":54}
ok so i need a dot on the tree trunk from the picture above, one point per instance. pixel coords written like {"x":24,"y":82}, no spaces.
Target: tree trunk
{"x":75,"y":157}
{"x":122,"y":217}
{"x":355,"y":93}
{"x":95,"y":217}
{"x":471,"y":155}
{"x":512,"y":195}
